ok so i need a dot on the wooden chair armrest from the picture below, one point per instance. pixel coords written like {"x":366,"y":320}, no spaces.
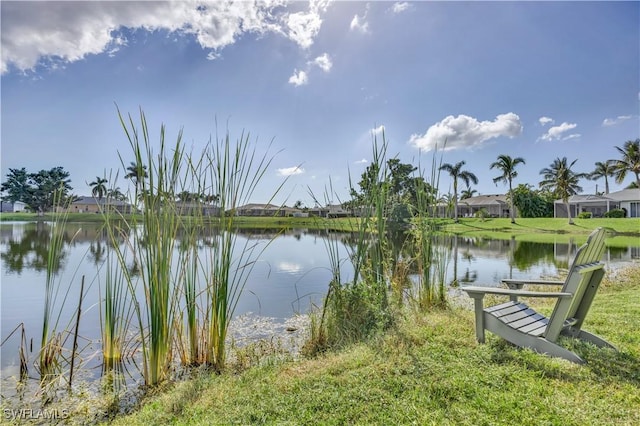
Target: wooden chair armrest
{"x":479,"y":292}
{"x":517,"y":284}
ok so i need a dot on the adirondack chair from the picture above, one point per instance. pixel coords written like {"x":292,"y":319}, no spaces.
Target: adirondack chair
{"x":524,"y":327}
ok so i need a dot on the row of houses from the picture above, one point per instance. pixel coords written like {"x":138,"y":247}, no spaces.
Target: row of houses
{"x":496,"y":205}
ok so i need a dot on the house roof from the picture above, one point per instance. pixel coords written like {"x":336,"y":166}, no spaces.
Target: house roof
{"x":625,"y":195}
{"x":256,"y":206}
{"x":485,"y":200}
{"x":587,"y":198}
{"x":104,"y":201}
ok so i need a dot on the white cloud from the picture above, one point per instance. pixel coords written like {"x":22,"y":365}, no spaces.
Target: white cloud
{"x":304,"y":26}
{"x":546,"y":120}
{"x":289,"y":267}
{"x":363,"y":161}
{"x":613,"y":121}
{"x":298,"y":78}
{"x":60,"y":32}
{"x":378,"y":130}
{"x":400,"y":6}
{"x":359,"y":23}
{"x":466,"y":132}
{"x":323,"y":61}
{"x":558,"y":132}
{"x":290,"y":171}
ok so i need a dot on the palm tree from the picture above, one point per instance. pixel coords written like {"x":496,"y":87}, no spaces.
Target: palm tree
{"x":136,"y":172}
{"x":467,"y":193}
{"x":562,"y":181}
{"x":99,"y":189}
{"x":508,"y":167}
{"x":630,"y":161}
{"x":456,"y":173}
{"x":116,"y":194}
{"x":604,"y":170}
{"x":211,"y":199}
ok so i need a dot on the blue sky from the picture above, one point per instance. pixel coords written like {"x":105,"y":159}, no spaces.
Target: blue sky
{"x":538,"y":80}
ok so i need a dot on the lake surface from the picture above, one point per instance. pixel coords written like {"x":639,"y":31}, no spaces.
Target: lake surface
{"x":292,"y":274}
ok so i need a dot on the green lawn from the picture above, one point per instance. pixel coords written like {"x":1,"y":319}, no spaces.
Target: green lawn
{"x":429,"y":370}
{"x":542,"y":225}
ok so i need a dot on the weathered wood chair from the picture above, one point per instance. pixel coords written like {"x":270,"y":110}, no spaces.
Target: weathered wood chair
{"x":524,"y":327}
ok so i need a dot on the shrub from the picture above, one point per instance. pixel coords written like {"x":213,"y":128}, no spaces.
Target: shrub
{"x":585,"y":215}
{"x":615,"y":213}
{"x":482,"y":214}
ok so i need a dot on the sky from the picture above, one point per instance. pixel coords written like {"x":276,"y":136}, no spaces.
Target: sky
{"x":313,"y":83}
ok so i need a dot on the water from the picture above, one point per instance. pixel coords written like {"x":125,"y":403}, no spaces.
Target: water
{"x":292,"y":275}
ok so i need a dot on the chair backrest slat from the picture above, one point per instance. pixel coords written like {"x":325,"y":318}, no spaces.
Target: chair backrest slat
{"x":583,"y":280}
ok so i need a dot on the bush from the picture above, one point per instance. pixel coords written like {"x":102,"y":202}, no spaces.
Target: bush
{"x":615,"y":213}
{"x":482,"y":214}
{"x":585,"y":215}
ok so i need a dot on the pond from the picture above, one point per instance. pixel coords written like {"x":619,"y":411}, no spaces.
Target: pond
{"x":292,"y":275}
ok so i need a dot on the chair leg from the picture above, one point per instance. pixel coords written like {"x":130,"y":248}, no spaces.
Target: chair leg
{"x":479,"y":319}
{"x":551,"y":349}
{"x":596,"y":340}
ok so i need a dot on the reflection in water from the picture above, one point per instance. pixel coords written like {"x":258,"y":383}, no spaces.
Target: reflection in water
{"x":293,"y":274}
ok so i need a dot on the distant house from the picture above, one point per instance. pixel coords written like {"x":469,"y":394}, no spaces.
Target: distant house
{"x":628,"y":200}
{"x":496,"y":205}
{"x":94,"y":205}
{"x":266,"y":210}
{"x":8,"y":207}
{"x":186,"y":208}
{"x":598,"y":205}
{"x":331,"y":211}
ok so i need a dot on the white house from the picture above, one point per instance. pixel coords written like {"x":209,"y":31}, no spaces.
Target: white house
{"x":598,"y":205}
{"x":16,"y":207}
{"x":629,"y":200}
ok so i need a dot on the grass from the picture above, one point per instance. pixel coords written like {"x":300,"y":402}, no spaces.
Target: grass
{"x":429,"y":370}
{"x":341,"y":224}
{"x":472,"y":226}
{"x":467,"y":226}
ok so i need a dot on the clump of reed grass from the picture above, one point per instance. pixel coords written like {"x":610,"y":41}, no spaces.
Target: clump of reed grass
{"x":430,"y":258}
{"x":234,"y":172}
{"x":356,"y":309}
{"x":185,"y":286}
{"x":50,"y":363}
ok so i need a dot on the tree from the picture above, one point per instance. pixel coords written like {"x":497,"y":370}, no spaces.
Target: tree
{"x":532,"y":203}
{"x":630,"y":161}
{"x":298,"y":204}
{"x":16,"y":187}
{"x":604,"y":170}
{"x":467,"y":193}
{"x":40,"y":191}
{"x":397,"y":179}
{"x":562,"y":181}
{"x":99,"y":189}
{"x":116,"y":194}
{"x":507,"y":165}
{"x":211,"y":199}
{"x":456,"y":172}
{"x":136,"y":172}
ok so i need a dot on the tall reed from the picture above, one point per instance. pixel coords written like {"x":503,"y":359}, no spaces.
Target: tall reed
{"x":49,"y":357}
{"x":151,"y":243}
{"x":234,"y":172}
{"x":431,"y":258}
{"x":185,"y":285}
{"x":355,"y":309}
